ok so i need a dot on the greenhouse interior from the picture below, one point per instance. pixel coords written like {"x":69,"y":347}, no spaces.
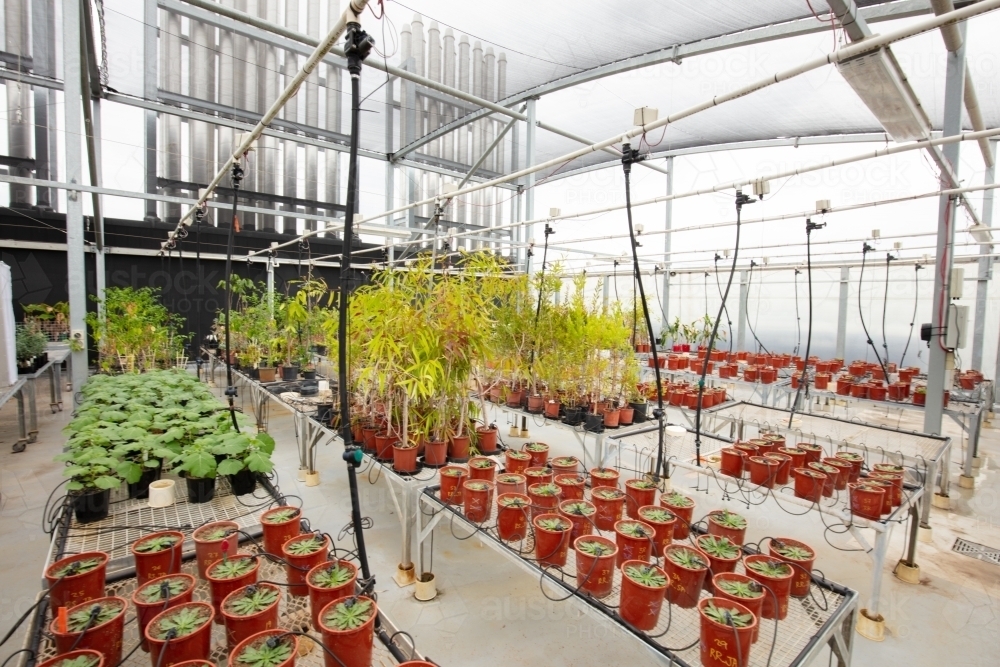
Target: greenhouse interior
{"x":414,"y":334}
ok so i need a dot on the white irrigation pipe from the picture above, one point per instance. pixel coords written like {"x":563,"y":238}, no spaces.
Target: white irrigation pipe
{"x":873,"y":43}
{"x":350,"y":15}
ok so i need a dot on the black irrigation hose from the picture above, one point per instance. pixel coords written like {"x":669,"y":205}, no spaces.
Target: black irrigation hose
{"x":798,"y":320}
{"x":95,"y":611}
{"x":864,"y":253}
{"x":20,"y":650}
{"x":804,"y":378}
{"x":237,"y":176}
{"x":913,"y":318}
{"x":760,"y":345}
{"x":885,"y":304}
{"x":725,"y":308}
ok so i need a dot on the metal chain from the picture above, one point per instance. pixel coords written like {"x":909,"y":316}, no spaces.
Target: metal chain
{"x":104,"y":44}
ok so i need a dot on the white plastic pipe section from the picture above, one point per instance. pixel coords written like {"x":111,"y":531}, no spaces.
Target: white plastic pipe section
{"x":17,"y":26}
{"x":351,"y":14}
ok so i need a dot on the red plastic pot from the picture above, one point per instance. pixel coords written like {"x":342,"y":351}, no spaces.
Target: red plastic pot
{"x":146,"y":611}
{"x":763,"y":471}
{"x":105,"y":638}
{"x":516,"y":462}
{"x":512,"y":521}
{"x":551,"y":546}
{"x":639,"y":605}
{"x":844,"y":386}
{"x":634,"y":548}
{"x":194,"y":646}
{"x":595,"y":575}
{"x":540,"y":457}
{"x":477,"y":499}
{"x":809,"y":484}
{"x":71,"y":590}
{"x":802,"y":569}
{"x":822,"y":380}
{"x":565,"y":465}
{"x":552,"y":409}
{"x":732,"y":462}
{"x":636,"y":496}
{"x":611,"y":417}
{"x":763,"y":445}
{"x":276,"y":534}
{"x":663,"y":530}
{"x":684,"y":515}
{"x":458,"y":448}
{"x":609,"y":506}
{"x":797,"y":456}
{"x":845,"y":470}
{"x":781,"y":588}
{"x":383,"y":446}
{"x":886,"y":487}
{"x":208,"y":551}
{"x":451,"y":490}
{"x":768,"y":375}
{"x":239,"y":628}
{"x":919,"y":398}
{"x":72,"y":655}
{"x":572,"y":486}
{"x":876,"y":393}
{"x":906,"y":375}
{"x":297,"y":566}
{"x":259,"y":638}
{"x":859,"y":390}
{"x":685,"y":583}
{"x":750,"y":374}
{"x":737,"y":535}
{"x":514,"y":398}
{"x":813,"y":452}
{"x":754,"y":605}
{"x":782,"y":475}
{"x":538,"y":475}
{"x":536,"y":404}
{"x":856,"y":461}
{"x":896,"y":480}
{"x":220,"y":588}
{"x":832,"y":477}
{"x":722,"y":645}
{"x":510,"y":483}
{"x":625,"y":416}
{"x":404,"y":459}
{"x":368,"y":438}
{"x":541,"y":503}
{"x":603,"y":477}
{"x":897,"y":391}
{"x":150,"y":565}
{"x":320,"y":596}
{"x":717,"y":564}
{"x":488,"y":472}
{"x":435,"y":453}
{"x":353,"y":648}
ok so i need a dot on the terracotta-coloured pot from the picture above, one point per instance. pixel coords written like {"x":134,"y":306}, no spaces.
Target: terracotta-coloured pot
{"x":353,"y":648}
{"x":832,"y":477}
{"x":538,"y":451}
{"x":90,"y":654}
{"x":516,"y":462}
{"x":802,"y":576}
{"x":152,"y":564}
{"x":488,"y":472}
{"x":763,"y":471}
{"x":609,"y":504}
{"x":564,"y":465}
{"x":876,"y":393}
{"x":572,"y":485}
{"x":717,"y":564}
{"x":663,"y":529}
{"x":220,"y":588}
{"x":297,"y":566}
{"x":685,"y":583}
{"x":797,"y":456}
{"x":906,"y":375}
{"x":634,"y":548}
{"x":780,"y":586}
{"x":859,"y":390}
{"x":552,"y":409}
{"x":320,"y":596}
{"x":536,"y":404}
{"x":737,"y":535}
{"x":583,"y":521}
{"x":684,"y":514}
{"x":452,"y":491}
{"x":640,"y":604}
{"x":477,"y":499}
{"x":276,"y":534}
{"x":809,"y":484}
{"x":750,"y":374}
{"x":637,"y":495}
{"x":732,"y":462}
{"x":368,"y":438}
{"x":551,"y":546}
{"x":844,"y":385}
{"x":768,"y":375}
{"x":458,"y":448}
{"x":919,"y":398}
{"x":512,"y":520}
{"x":887,"y":490}
{"x":239,"y":628}
{"x":260,"y":638}
{"x":435,"y":453}
{"x":856,"y":461}
{"x":538,"y":475}
{"x":611,"y":418}
{"x":404,"y":459}
{"x":194,"y":646}
{"x":595,"y":575}
{"x":845,"y":468}
{"x":207,"y":551}
{"x":754,"y":605}
{"x":105,"y":638}
{"x":510,"y":483}
{"x":69,"y":590}
{"x":813,"y":452}
{"x":723,"y":645}
{"x":782,"y":475}
{"x":603,"y":477}
{"x":487,"y":440}
{"x":383,"y":446}
{"x":145,"y":611}
{"x":542,"y":503}
{"x":897,"y":485}
{"x":625,"y":416}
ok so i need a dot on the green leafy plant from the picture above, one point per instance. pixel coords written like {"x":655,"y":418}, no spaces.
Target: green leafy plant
{"x":29,"y":343}
{"x":509,"y":479}
{"x":554,"y":524}
{"x":578,"y":508}
{"x":477,"y":485}
{"x":231,"y":568}
{"x":595,"y":548}
{"x":91,"y":469}
{"x":254,"y":599}
{"x":741,"y":589}
{"x":77,"y":567}
{"x":642,"y":484}
{"x":282,"y":516}
{"x":514,"y":501}
{"x":305,"y":546}
{"x":720,"y":547}
{"x":632,"y":529}
{"x":520,"y":456}
{"x":537,"y":472}
{"x":687,"y":558}
{"x":728,"y":519}
{"x":774,"y":569}
{"x":183,"y":621}
{"x":453,"y":472}
{"x":563,"y":461}
{"x":607,"y":493}
{"x":792,"y":551}
{"x":154,"y":592}
{"x":604,"y":473}
{"x":214,"y":535}
{"x":545,"y":489}
{"x":656,"y":515}
{"x":78,"y":661}
{"x":332,"y":576}
{"x":88,"y":618}
{"x":678,"y":500}
{"x":349,"y":614}
{"x":158,"y":543}
{"x":135,"y":330}
{"x":727,"y":616}
{"x":262,"y":654}
{"x":647,"y":575}
{"x":483,"y":463}
{"x":536,"y":447}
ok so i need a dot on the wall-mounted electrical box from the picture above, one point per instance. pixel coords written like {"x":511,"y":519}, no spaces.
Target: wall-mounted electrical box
{"x":822,"y":205}
{"x":958,"y":325}
{"x":761,"y":187}
{"x":957,"y":283}
{"x":645,"y":116}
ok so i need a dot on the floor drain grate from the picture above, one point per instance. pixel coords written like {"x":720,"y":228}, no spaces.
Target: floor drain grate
{"x":980,"y":551}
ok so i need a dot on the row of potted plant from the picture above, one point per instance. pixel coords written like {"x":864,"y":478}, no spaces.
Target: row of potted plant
{"x":135,"y":332}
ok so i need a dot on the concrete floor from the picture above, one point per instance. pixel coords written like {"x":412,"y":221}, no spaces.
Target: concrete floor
{"x":489,"y":607}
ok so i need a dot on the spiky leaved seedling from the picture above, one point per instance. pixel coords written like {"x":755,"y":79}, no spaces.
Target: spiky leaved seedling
{"x":553,"y":524}
{"x":476,"y":485}
{"x":520,"y":456}
{"x":254,"y":599}
{"x":632,"y":529}
{"x":350,"y":614}
{"x":537,"y":472}
{"x":85,"y":660}
{"x":545,"y":489}
{"x":578,"y":508}
{"x":536,"y":447}
{"x":182,"y":621}
{"x":728,"y":519}
{"x":727,"y":616}
{"x":452,"y":472}
{"x":332,"y":576}
{"x":647,"y":575}
{"x":604,"y":473}
{"x":77,"y":567}
{"x":687,"y":558}
{"x":720,"y":547}
{"x":214,"y":535}
{"x":305,"y":546}
{"x":509,"y":479}
{"x":656,"y":514}
{"x":483,"y":463}
{"x":850,"y":456}
{"x":281,"y":516}
{"x":792,"y":551}
{"x":641,"y":484}
{"x":823,"y":467}
{"x":774,"y":569}
{"x":564,"y":461}
{"x":678,"y":500}
{"x":81,"y":618}
{"x":595,"y":548}
{"x":514,"y":501}
{"x":232,"y":568}
{"x":262,"y":654}
{"x":607,"y":493}
{"x":740,"y":589}
{"x":154,"y":592}
{"x":158,"y":543}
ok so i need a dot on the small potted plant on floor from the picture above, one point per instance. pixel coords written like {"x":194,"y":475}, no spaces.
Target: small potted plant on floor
{"x":452,"y":478}
{"x":727,"y":631}
{"x":327,"y":582}
{"x":229,"y":574}
{"x":727,"y":524}
{"x":551,"y":539}
{"x":741,"y":589}
{"x":638,"y":493}
{"x":686,"y":568}
{"x":800,"y":556}
{"x":157,"y":554}
{"x":643,"y":589}
{"x":302,"y":553}
{"x":723,"y":555}
{"x":268,"y":648}
{"x":775,"y":575}
{"x":478,"y":500}
{"x":79,"y":658}
{"x":97,"y":625}
{"x":634,"y":540}
{"x":158,"y":595}
{"x":347,"y":626}
{"x":581,"y":514}
{"x":595,"y":564}
{"x":181,"y":634}
{"x":250,"y":610}
{"x":683,"y":508}
{"x":212,"y":540}
{"x":76,"y":579}
{"x":280,"y":524}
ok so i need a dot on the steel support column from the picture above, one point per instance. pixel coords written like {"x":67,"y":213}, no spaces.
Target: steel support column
{"x":150,"y":29}
{"x":741,"y":332}
{"x":529,"y":181}
{"x":845,"y":276}
{"x":668,"y":222}
{"x":985,"y":268}
{"x":947,"y":219}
